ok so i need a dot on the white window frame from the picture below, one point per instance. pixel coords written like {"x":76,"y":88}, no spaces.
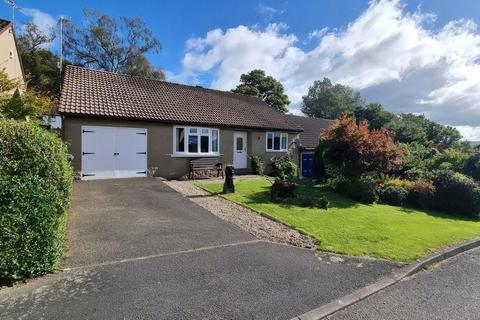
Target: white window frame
{"x":282,"y":134}
{"x":199,"y":134}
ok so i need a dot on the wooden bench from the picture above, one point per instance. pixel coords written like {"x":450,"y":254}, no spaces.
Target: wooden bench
{"x":205,"y":164}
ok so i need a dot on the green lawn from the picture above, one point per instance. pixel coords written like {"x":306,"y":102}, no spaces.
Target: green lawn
{"x":348,"y":227}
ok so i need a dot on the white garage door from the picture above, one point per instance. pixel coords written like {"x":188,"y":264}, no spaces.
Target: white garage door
{"x":113,"y":152}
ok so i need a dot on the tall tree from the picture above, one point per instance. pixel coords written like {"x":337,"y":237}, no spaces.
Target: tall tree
{"x":32,"y":38}
{"x":327,"y":100}
{"x":376,"y":116}
{"x":409,"y":128}
{"x":257,"y":83}
{"x":39,"y":63}
{"x":108,"y":44}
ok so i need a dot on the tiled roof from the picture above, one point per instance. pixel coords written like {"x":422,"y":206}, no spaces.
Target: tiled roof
{"x":91,"y":93}
{"x":312,"y":127}
{"x":4,"y":24}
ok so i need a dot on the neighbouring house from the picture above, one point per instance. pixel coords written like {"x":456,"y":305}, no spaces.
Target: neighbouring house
{"x":9,"y":57}
{"x":307,"y":141}
{"x":125,"y":126}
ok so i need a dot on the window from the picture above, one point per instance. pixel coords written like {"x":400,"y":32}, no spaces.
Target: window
{"x":192,"y":144}
{"x":180,"y":134}
{"x":214,"y":140}
{"x":239,"y":144}
{"x":196,"y":141}
{"x":277,"y":141}
{"x":204,"y":144}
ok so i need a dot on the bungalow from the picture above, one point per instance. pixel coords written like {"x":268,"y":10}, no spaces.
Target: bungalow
{"x":308,"y":140}
{"x":125,"y":126}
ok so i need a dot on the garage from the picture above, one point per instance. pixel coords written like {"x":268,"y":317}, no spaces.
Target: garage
{"x":113,"y":152}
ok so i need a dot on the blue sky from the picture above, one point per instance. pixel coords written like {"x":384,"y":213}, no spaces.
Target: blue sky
{"x":413,"y":56}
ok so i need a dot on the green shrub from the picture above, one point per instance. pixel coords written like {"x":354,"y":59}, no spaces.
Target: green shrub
{"x":284,"y":168}
{"x":472,"y":166}
{"x":397,"y":182}
{"x":392,"y":195}
{"x":413,"y":174}
{"x":339,"y":183}
{"x":282,"y":190}
{"x":449,"y":159}
{"x":421,"y":194}
{"x":35,"y":191}
{"x":258,"y":165}
{"x":314,"y":202}
{"x":455,"y":194}
{"x":363,"y":189}
{"x":318,"y":165}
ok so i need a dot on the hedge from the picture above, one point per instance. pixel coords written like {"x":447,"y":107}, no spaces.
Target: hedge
{"x":35,"y":193}
{"x":455,"y":193}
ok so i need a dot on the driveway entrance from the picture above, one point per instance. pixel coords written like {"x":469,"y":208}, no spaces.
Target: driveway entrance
{"x":139,"y":250}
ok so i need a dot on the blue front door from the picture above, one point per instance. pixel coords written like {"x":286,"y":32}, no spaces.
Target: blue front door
{"x":307,"y":164}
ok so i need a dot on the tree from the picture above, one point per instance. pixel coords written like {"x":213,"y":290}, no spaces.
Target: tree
{"x":32,"y":38}
{"x":408,"y":128}
{"x":141,"y":67}
{"x":112,"y":45}
{"x":418,"y":156}
{"x":6,"y":85}
{"x":30,"y":104}
{"x":39,"y":63}
{"x":451,"y":159}
{"x":257,"y":83}
{"x":329,"y":101}
{"x":375,"y":114}
{"x":354,"y":149}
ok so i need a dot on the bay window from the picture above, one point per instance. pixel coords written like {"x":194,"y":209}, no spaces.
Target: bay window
{"x":195,"y":141}
{"x":277,"y":141}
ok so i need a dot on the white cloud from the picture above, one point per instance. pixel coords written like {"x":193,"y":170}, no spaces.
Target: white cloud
{"x":319,"y":33}
{"x":239,"y":50}
{"x":44,"y":21}
{"x":470,"y":133}
{"x":266,"y":11}
{"x":392,"y":56}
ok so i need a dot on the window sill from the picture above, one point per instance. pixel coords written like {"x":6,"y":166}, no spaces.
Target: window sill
{"x":276,"y":151}
{"x":195,"y":155}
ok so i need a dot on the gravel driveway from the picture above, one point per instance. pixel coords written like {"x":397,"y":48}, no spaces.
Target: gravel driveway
{"x":244,"y":218}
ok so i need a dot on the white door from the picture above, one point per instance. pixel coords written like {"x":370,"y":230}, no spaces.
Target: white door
{"x":98,"y":148}
{"x":113,"y":152}
{"x":131,"y":152}
{"x":240,"y":150}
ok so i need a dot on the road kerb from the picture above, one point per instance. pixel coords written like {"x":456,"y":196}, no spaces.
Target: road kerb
{"x":396,"y":276}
